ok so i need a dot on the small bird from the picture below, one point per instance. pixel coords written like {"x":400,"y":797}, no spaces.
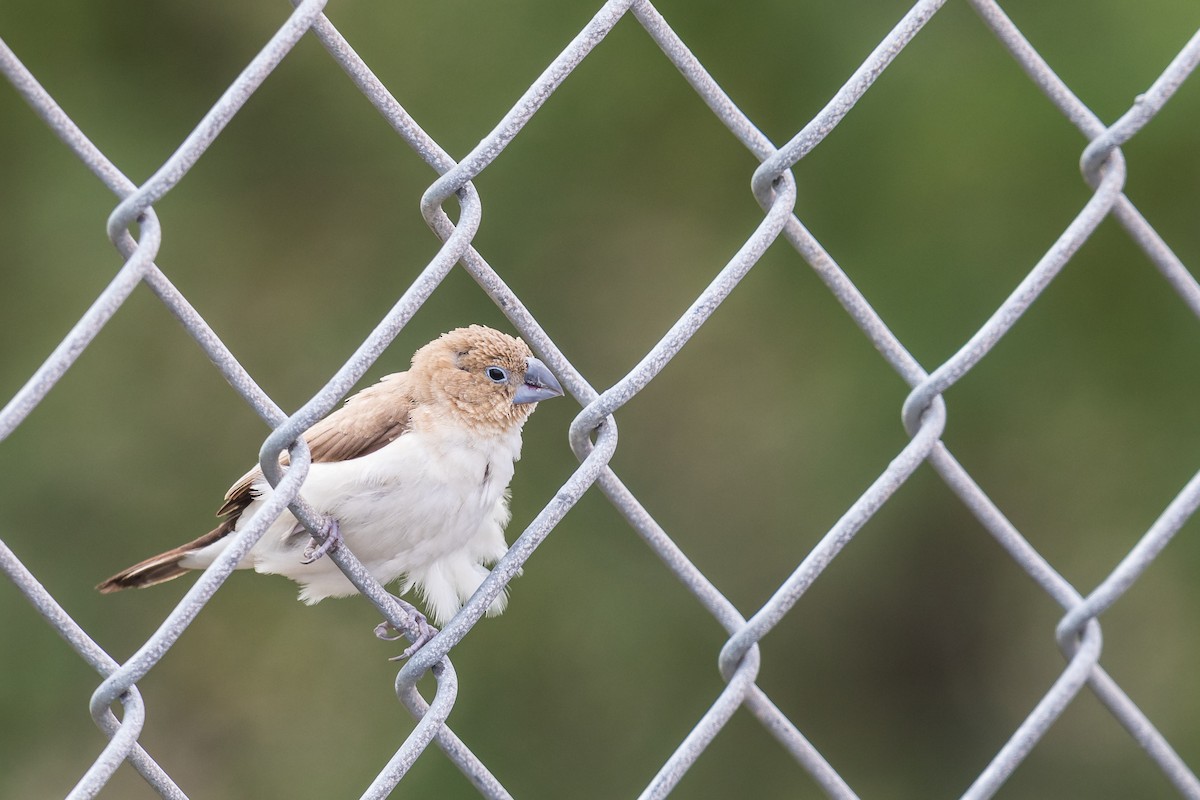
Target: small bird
{"x":414,"y":472}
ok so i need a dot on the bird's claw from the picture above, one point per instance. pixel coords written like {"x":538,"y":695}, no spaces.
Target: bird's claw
{"x":425,"y":632}
{"x":315,"y":552}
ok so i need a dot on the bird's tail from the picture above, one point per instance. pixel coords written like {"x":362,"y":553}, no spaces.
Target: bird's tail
{"x":162,"y":567}
{"x":158,"y":569}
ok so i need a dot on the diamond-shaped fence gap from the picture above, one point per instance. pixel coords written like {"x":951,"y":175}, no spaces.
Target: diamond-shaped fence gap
{"x":650,"y":209}
{"x":794,"y":487}
{"x":127,"y":377}
{"x":951,"y":222}
{"x":840,"y":368}
{"x":1109,"y":85}
{"x":470,"y":94}
{"x":811,"y":57}
{"x":361,"y":303}
{"x":1105,"y":401}
{"x":1111,"y":761}
{"x":41,"y":602}
{"x":53,"y":713}
{"x":282,"y":655}
{"x":593,"y":597}
{"x":924,"y":547}
{"x":1065,"y":688}
{"x":199,"y":749}
{"x":144,"y":74}
{"x":308,"y":252}
{"x":745,"y":754}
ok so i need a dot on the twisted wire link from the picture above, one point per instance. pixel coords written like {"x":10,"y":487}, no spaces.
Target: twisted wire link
{"x":593,"y":432}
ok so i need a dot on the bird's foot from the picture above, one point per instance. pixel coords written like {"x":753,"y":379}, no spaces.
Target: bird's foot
{"x":333,"y":538}
{"x":390,"y":633}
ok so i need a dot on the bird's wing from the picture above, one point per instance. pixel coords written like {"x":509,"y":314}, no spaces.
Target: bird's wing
{"x":370,"y":420}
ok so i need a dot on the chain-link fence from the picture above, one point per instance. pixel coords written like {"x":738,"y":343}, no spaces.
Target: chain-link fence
{"x":117,"y":704}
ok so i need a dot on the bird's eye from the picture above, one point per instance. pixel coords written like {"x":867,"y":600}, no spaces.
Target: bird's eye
{"x":497,"y":375}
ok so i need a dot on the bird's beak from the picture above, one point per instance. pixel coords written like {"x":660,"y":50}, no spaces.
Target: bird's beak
{"x":540,"y":384}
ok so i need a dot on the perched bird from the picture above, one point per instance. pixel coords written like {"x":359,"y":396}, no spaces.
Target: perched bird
{"x":414,"y":471}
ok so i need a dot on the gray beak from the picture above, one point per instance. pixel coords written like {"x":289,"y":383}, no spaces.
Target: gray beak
{"x":540,"y":384}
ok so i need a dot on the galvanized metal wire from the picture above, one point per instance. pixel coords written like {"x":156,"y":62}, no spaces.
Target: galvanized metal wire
{"x":593,"y":434}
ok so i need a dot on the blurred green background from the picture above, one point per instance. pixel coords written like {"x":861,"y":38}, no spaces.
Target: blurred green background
{"x":908,"y":663}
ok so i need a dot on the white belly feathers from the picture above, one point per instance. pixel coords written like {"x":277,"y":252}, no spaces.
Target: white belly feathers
{"x":429,"y":507}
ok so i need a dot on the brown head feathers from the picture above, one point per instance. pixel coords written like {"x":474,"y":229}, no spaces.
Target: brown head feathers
{"x":474,"y":374}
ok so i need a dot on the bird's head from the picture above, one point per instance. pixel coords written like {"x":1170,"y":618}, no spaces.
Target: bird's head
{"x":483,"y":376}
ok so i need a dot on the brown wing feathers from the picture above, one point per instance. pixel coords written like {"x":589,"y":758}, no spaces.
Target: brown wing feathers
{"x":380,"y":414}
